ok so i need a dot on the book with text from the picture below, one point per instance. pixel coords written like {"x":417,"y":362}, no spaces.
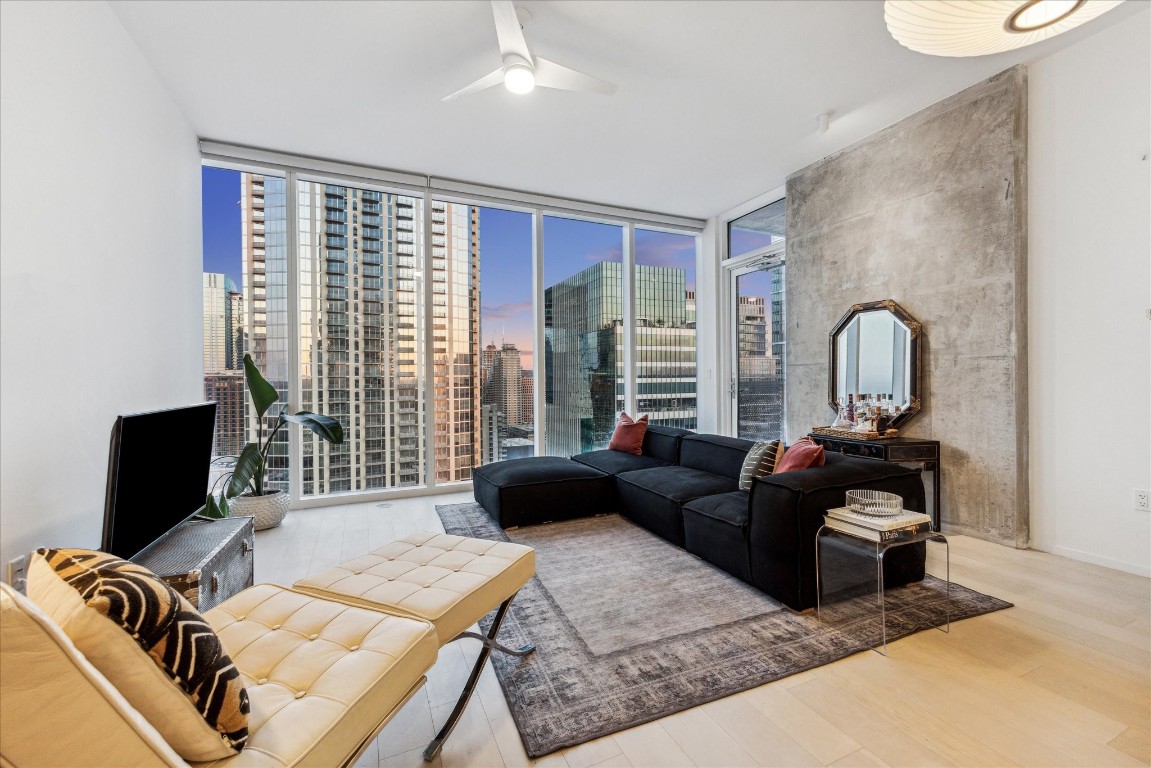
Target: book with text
{"x":875,"y":523}
{"x":872,"y":534}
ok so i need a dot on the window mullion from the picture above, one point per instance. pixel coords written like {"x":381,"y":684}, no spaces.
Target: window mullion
{"x":429,"y":409}
{"x":629,"y":334}
{"x":539,"y":381}
{"x":292,"y":237}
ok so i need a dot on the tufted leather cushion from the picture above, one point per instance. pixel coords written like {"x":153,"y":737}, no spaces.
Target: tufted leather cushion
{"x":320,"y":674}
{"x":150,"y":643}
{"x":451,"y":581}
{"x":56,"y":708}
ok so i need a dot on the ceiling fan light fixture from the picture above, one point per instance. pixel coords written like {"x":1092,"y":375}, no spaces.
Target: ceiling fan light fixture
{"x":965,"y":28}
{"x":519,"y":77}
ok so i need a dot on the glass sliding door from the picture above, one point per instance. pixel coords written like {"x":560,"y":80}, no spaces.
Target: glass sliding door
{"x":507,"y":348}
{"x":583,"y":333}
{"x":758,"y":351}
{"x":665,"y":336}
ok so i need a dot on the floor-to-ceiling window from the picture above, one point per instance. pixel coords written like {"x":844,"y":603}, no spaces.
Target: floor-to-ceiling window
{"x":443,"y":332}
{"x":507,"y":341}
{"x":665,"y":333}
{"x":583,"y":333}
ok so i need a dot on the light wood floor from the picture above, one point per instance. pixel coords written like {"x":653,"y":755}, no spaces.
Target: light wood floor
{"x":1063,"y":678}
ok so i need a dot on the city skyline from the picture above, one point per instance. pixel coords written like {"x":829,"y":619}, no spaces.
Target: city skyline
{"x":505,"y":245}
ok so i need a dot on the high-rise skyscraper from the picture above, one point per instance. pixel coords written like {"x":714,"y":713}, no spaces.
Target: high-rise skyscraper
{"x":223,"y":361}
{"x":219,"y":322}
{"x":760,"y":360}
{"x":503,"y":393}
{"x":361,"y":303}
{"x":583,"y":326}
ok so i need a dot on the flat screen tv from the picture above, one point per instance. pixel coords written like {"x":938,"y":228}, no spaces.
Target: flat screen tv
{"x":158,"y":468}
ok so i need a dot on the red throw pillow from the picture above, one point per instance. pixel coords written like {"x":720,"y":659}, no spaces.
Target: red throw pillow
{"x":802,"y":454}
{"x":628,"y":435}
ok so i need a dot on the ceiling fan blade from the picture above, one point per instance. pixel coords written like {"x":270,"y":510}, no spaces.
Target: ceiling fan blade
{"x":508,"y":30}
{"x":552,"y":75}
{"x":487,"y":81}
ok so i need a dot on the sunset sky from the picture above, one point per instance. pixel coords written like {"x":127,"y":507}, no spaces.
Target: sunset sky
{"x":570,"y":246}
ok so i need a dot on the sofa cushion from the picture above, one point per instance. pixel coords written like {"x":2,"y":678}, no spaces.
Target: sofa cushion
{"x":726,"y":508}
{"x":654,"y":498}
{"x":802,"y":454}
{"x":663,"y":442}
{"x":716,"y":454}
{"x":614,"y":462}
{"x":761,"y":460}
{"x":322,"y":674}
{"x":150,"y":643}
{"x":715,"y":529}
{"x":628,"y":434}
{"x":541,"y":489}
{"x":679,"y":484}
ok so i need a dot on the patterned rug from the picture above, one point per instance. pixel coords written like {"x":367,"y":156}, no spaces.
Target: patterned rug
{"x":629,"y":628}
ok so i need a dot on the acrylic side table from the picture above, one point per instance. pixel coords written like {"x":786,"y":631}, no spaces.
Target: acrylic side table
{"x":880,"y":549}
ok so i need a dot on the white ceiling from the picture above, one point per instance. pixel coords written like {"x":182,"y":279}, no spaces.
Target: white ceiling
{"x":717,"y":102}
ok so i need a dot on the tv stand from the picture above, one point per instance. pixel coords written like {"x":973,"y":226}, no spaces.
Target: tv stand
{"x":205,"y":560}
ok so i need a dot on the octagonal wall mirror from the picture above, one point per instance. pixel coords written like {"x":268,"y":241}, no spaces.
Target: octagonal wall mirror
{"x":874,"y":349}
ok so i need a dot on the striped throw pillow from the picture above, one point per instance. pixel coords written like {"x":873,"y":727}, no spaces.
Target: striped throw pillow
{"x":150,"y":643}
{"x":760,"y":462}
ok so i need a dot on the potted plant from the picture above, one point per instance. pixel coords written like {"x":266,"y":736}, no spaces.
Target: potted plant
{"x":245,"y":488}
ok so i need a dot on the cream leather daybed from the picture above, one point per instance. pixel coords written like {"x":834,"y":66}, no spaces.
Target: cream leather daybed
{"x":325,"y":664}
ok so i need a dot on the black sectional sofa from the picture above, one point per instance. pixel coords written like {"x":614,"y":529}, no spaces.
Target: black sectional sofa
{"x":685,"y":488}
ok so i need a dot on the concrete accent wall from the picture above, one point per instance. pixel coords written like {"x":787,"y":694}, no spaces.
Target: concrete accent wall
{"x":930,"y":212}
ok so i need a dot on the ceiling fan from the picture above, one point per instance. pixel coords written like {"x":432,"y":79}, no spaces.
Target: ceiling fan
{"x":521,"y":71}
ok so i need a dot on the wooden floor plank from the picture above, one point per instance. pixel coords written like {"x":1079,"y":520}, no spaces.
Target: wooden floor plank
{"x":756,"y":734}
{"x":1062,"y":678}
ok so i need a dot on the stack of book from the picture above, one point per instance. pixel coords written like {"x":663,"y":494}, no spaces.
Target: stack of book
{"x":905,"y":525}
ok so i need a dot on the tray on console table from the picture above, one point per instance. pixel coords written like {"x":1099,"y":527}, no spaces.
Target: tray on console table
{"x":207,"y":561}
{"x":898,"y":450}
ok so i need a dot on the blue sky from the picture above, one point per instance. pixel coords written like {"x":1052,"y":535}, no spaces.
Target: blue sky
{"x":570,"y":246}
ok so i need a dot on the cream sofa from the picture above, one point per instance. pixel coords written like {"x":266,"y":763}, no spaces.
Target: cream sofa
{"x":323,"y":675}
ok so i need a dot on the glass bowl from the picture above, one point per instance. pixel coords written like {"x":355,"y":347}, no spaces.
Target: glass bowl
{"x":878,"y":503}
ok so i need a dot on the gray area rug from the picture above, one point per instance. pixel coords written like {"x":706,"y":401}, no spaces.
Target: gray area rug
{"x":629,"y":628}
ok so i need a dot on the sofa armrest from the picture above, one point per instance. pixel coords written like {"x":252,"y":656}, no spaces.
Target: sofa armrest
{"x":785,"y":512}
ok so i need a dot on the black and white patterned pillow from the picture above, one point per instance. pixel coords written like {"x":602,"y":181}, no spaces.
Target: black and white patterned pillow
{"x":150,"y":643}
{"x":760,"y":462}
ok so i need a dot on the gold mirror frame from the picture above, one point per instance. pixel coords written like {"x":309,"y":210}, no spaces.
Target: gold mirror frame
{"x":913,"y":403}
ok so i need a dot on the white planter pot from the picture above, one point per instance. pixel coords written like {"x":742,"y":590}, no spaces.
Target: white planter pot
{"x":268,"y":510}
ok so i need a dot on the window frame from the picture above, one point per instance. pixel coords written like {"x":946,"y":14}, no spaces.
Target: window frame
{"x":295,"y":169}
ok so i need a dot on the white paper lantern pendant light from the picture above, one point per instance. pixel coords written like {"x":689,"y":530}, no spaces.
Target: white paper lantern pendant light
{"x":981,"y":27}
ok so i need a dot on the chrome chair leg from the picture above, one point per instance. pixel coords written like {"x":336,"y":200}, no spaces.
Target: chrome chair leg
{"x":489,"y":641}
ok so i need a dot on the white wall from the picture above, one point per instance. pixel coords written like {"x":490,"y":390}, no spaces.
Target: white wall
{"x":99,"y":262}
{"x":1089,"y":288}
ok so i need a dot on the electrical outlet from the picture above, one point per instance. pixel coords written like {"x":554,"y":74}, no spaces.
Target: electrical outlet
{"x":16,"y":572}
{"x":1139,"y":500}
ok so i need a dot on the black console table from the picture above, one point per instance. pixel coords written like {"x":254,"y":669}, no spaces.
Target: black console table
{"x":899,"y":450}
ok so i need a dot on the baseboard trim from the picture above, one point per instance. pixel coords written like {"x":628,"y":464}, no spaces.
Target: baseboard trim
{"x":1106,"y":562}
